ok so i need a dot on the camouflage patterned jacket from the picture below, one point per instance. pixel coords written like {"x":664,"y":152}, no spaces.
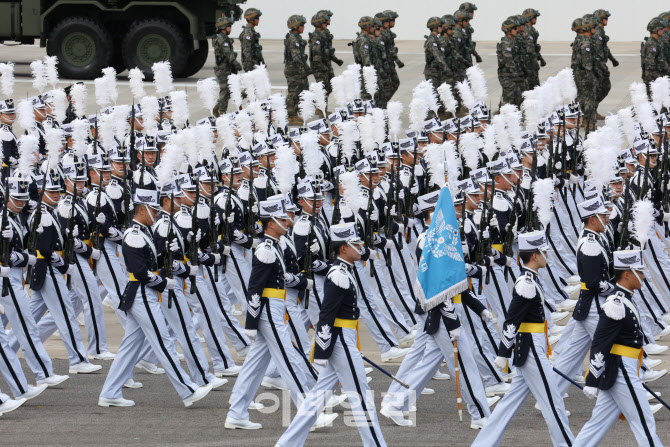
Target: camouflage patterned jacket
{"x":252,"y":51}
{"x":582,"y":54}
{"x":319,"y":53}
{"x":653,"y":61}
{"x":436,"y":63}
{"x":392,"y":51}
{"x":601,"y":51}
{"x":224,"y":56}
{"x":508,"y":62}
{"x":461,"y":43}
{"x":366,"y":52}
{"x":328,"y":38}
{"x":295,"y":59}
{"x":532,"y":47}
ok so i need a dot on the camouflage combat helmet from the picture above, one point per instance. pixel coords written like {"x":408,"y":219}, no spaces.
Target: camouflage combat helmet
{"x":656,"y":24}
{"x":366,"y":22}
{"x":467,"y":6}
{"x":319,"y":18}
{"x":223,"y":22}
{"x":508,"y":24}
{"x":665,"y":16}
{"x":296,"y":21}
{"x":382,"y":17}
{"x":252,"y":13}
{"x":521,"y":20}
{"x":392,"y":14}
{"x":462,"y":15}
{"x":531,"y":13}
{"x":328,"y":12}
{"x":434,"y":23}
{"x":601,"y":14}
{"x":449,"y":21}
{"x":577,"y":25}
{"x":589,"y":21}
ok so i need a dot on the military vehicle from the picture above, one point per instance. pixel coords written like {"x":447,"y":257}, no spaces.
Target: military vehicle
{"x":89,"y":35}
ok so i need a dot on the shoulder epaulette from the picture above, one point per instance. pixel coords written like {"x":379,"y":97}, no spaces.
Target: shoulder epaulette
{"x":64,"y":207}
{"x":525,"y":286}
{"x":590,"y":246}
{"x":183,"y":219}
{"x":301,"y":227}
{"x":614,"y":308}
{"x":134,"y":238}
{"x":338,"y":276}
{"x":265,"y":253}
{"x":163,"y":226}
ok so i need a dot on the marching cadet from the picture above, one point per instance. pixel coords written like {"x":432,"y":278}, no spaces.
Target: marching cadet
{"x":10,"y":148}
{"x":146,"y":321}
{"x":654,"y":64}
{"x":320,"y":53}
{"x":536,"y":59}
{"x":225,"y":61}
{"x":336,"y":350}
{"x":508,"y":65}
{"x":436,"y":67}
{"x":524,"y":335}
{"x":615,"y":358}
{"x":265,"y":325}
{"x":252,"y":50}
{"x":296,"y":68}
{"x":603,"y":54}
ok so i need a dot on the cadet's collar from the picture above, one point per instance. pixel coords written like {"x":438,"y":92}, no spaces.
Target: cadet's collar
{"x":528,"y":269}
{"x":271,"y":237}
{"x":142,"y":226}
{"x":628,"y":293}
{"x":349,"y":264}
{"x":591,"y":231}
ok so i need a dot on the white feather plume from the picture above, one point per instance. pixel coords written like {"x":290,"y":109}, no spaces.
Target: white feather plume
{"x":351,"y":190}
{"x":106,"y":126}
{"x":512,"y":118}
{"x":244,"y":130}
{"x":600,"y":158}
{"x":191,"y":149}
{"x":7,"y":79}
{"x":262,"y":82}
{"x":613,"y":123}
{"x":53,"y":139}
{"x":431,"y":97}
{"x":378,"y":126}
{"x":370,"y":80}
{"x":28,"y":149}
{"x":490,"y":148}
{"x":435,"y":163}
{"x":501,"y":136}
{"x":643,"y":110}
{"x":249,"y":86}
{"x":51,"y":70}
{"x":477,"y":83}
{"x":235,"y":88}
{"x":311,"y":156}
{"x":59,"y":104}
{"x":208,"y":89}
{"x":352,"y":77}
{"x":543,"y":191}
{"x":150,"y":111}
{"x":627,"y":124}
{"x":136,"y":82}
{"x":225,"y":130}
{"x":643,"y":221}
{"x":470,"y":149}
{"x":286,"y":168}
{"x":80,"y":128}
{"x":348,"y":135}
{"x":102,"y":94}
{"x":453,"y":163}
{"x":205,"y":136}
{"x":165,"y":171}
{"x":320,"y":96}
{"x":162,"y":77}
{"x":180,"y":111}
{"x":25,"y":114}
{"x":306,"y":107}
{"x":394,"y":114}
{"x":258,"y":116}
{"x":532,"y":107}
{"x":447,"y":98}
{"x":279,"y":112}
{"x":78,"y":96}
{"x":39,"y":75}
{"x":566,"y":84}
{"x":660,"y":92}
{"x":419,"y":106}
{"x":121,"y":124}
{"x":110,"y":74}
{"x":365,"y":127}
{"x":338,"y":84}
{"x":466,"y":95}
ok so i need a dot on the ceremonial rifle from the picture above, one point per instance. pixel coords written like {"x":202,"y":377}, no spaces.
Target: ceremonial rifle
{"x":31,"y":243}
{"x":68,"y":250}
{"x":225,"y":238}
{"x":213,"y":230}
{"x":6,"y":247}
{"x":509,"y":233}
{"x":194,"y":228}
{"x":410,"y":203}
{"x":370,"y":225}
{"x":307,"y":266}
{"x":168,"y":253}
{"x":623,"y":237}
{"x":95,"y":233}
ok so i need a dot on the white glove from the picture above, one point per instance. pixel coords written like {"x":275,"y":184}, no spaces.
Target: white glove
{"x":574,"y":179}
{"x":31,"y":260}
{"x":100,"y":218}
{"x":401,"y":194}
{"x":95,"y":254}
{"x":389,"y":244}
{"x":590,"y":391}
{"x":169,"y":284}
{"x":217,"y":259}
{"x":254,"y":208}
{"x":487,"y":315}
{"x":414,"y":189}
{"x":454,"y":334}
{"x":373,"y":253}
{"x":392,"y":211}
{"x":666,"y":217}
{"x":310,"y":284}
{"x":251,"y":333}
{"x":314,"y":248}
{"x":8,"y":234}
{"x":231,"y":218}
{"x":4,"y":272}
{"x":39,"y":229}
{"x":193,"y":270}
{"x":75,"y":231}
{"x":500,"y":363}
{"x":374,"y":216}
{"x":2,"y":310}
{"x":321,"y":363}
{"x":226,"y":250}
{"x":486,"y":234}
{"x":70,"y":270}
{"x":558,"y":165}
{"x":494,"y":220}
{"x":198,"y":235}
{"x":174,"y":246}
{"x":410,"y":223}
{"x":217,"y":220}
{"x":509,"y":262}
{"x":254,"y":243}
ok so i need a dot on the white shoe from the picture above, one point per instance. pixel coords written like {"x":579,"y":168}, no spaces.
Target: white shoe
{"x":558,"y":316}
{"x":217,"y":382}
{"x":149,"y":367}
{"x":130,"y":383}
{"x":84,"y":368}
{"x":11,"y":405}
{"x":407,"y":338}
{"x":478,"y":424}
{"x":274,"y":383}
{"x":396,"y":416}
{"x":242,"y":353}
{"x":108,"y":302}
{"x":650,"y":363}
{"x":80,"y":320}
{"x":53,"y":380}
{"x":202,"y":340}
{"x":198,"y":394}
{"x":324,"y":420}
{"x":368,"y":379}
{"x":33,"y":391}
{"x":666,"y":317}
{"x":255,"y":406}
{"x":237,"y":313}
{"x":335,"y":400}
{"x":232,"y":424}
{"x":575,"y":280}
{"x":556,"y":330}
{"x":567,"y":305}
{"x":120,"y":402}
{"x":441,"y":376}
{"x":231,"y":371}
{"x":509,"y":376}
{"x":579,"y":378}
{"x":428,"y":391}
{"x":498,"y":388}
{"x":650,"y":375}
{"x":103,"y":356}
{"x":56,"y":334}
{"x":663,"y":333}
{"x":180,"y":356}
{"x":491,"y":401}
{"x":393,"y":353}
{"x":368,"y":370}
{"x":655,"y":408}
{"x":553,"y":339}
{"x":651,"y":396}
{"x":654,"y":348}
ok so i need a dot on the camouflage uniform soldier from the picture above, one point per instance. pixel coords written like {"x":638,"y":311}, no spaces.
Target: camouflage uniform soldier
{"x":508,"y":66}
{"x":389,"y":38}
{"x":461,"y":47}
{"x":535,"y":59}
{"x":654,"y":64}
{"x":366,"y":50}
{"x":319,"y":53}
{"x":451,"y":56}
{"x":328,"y":38}
{"x":385,"y":84}
{"x":225,"y":60}
{"x":521,"y":51}
{"x":436,"y":64}
{"x":296,"y":68}
{"x":665,"y":38}
{"x":471,"y":8}
{"x":603,"y":54}
{"x":252,"y":51}
{"x":583,"y":68}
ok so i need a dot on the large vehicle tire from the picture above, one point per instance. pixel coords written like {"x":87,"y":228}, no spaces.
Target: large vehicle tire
{"x":154,"y":40}
{"x":196,"y":60}
{"x":83,"y":46}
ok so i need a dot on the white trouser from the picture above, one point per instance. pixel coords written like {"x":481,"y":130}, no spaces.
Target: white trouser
{"x":379,"y":282}
{"x":86,"y":286}
{"x":10,"y":367}
{"x":413,"y":356}
{"x":237,"y":273}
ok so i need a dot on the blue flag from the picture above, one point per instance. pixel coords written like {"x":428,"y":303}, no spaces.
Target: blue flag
{"x":441,"y":274}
